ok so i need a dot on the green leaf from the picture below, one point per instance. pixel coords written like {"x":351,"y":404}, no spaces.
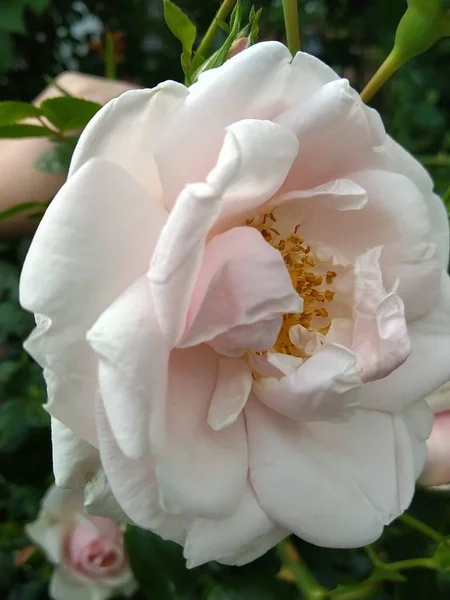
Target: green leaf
{"x":55,"y":160}
{"x":20,"y":208}
{"x":159,"y":566}
{"x":254,"y":18}
{"x":11,"y":112}
{"x":23,"y":131}
{"x":69,"y":113}
{"x":180,"y":25}
{"x":12,"y":17}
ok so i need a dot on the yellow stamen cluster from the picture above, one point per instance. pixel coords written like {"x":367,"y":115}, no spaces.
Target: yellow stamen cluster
{"x":300,"y":262}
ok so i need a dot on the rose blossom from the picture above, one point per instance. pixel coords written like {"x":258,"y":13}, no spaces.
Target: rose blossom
{"x":88,"y":551}
{"x":241,"y":302}
{"x":437,"y":471}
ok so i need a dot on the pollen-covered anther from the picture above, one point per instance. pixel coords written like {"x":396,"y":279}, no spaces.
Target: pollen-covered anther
{"x":302,"y":264}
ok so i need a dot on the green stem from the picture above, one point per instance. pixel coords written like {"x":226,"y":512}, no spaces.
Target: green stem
{"x":371,"y":553}
{"x":110,"y":57}
{"x":355,"y":592}
{"x":422,"y":527}
{"x":55,"y":133}
{"x":290,"y":9}
{"x":412,"y":563}
{"x":305,"y":581}
{"x":52,"y":82}
{"x":390,"y":66}
{"x":223,"y":12}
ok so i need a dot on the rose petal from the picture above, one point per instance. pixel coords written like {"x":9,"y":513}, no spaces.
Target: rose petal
{"x":256,"y":77}
{"x":430,"y":338}
{"x":325,"y":387}
{"x":133,"y":483}
{"x":133,"y":361}
{"x":126,"y":132}
{"x":209,"y":480}
{"x":74,"y":460}
{"x":296,"y":465}
{"x":79,"y":262}
{"x":243,"y":290}
{"x":380,"y":336}
{"x":244,"y":536}
{"x":340,"y":195}
{"x":332,"y":124}
{"x":100,"y":501}
{"x":234,"y":383}
{"x":178,"y":256}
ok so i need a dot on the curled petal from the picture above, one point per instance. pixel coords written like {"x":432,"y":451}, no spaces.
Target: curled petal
{"x":380,"y":337}
{"x":238,"y":172}
{"x":243,"y":290}
{"x":430,"y":337}
{"x":324,"y":388}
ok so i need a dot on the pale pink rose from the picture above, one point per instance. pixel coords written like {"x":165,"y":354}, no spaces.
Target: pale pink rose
{"x":89,"y":554}
{"x":437,"y":470}
{"x":228,"y":382}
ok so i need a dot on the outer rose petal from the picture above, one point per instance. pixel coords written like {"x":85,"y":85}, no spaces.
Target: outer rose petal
{"x":209,"y":480}
{"x":74,"y":460}
{"x":133,"y":483}
{"x":322,"y":468}
{"x":133,"y":359}
{"x":393,"y":157}
{"x":243,"y":290}
{"x":256,"y":77}
{"x":80,"y":262}
{"x":336,"y":135}
{"x":126,"y":132}
{"x":324,"y":388}
{"x":99,"y":500}
{"x":239,"y":539}
{"x":242,"y":169}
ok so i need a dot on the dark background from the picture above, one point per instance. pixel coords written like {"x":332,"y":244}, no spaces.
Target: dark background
{"x":40,"y":38}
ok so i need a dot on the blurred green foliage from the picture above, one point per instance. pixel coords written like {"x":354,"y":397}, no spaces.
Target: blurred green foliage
{"x":41,"y":38}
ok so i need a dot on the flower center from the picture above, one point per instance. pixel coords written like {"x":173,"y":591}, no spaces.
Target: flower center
{"x":309,"y":278}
